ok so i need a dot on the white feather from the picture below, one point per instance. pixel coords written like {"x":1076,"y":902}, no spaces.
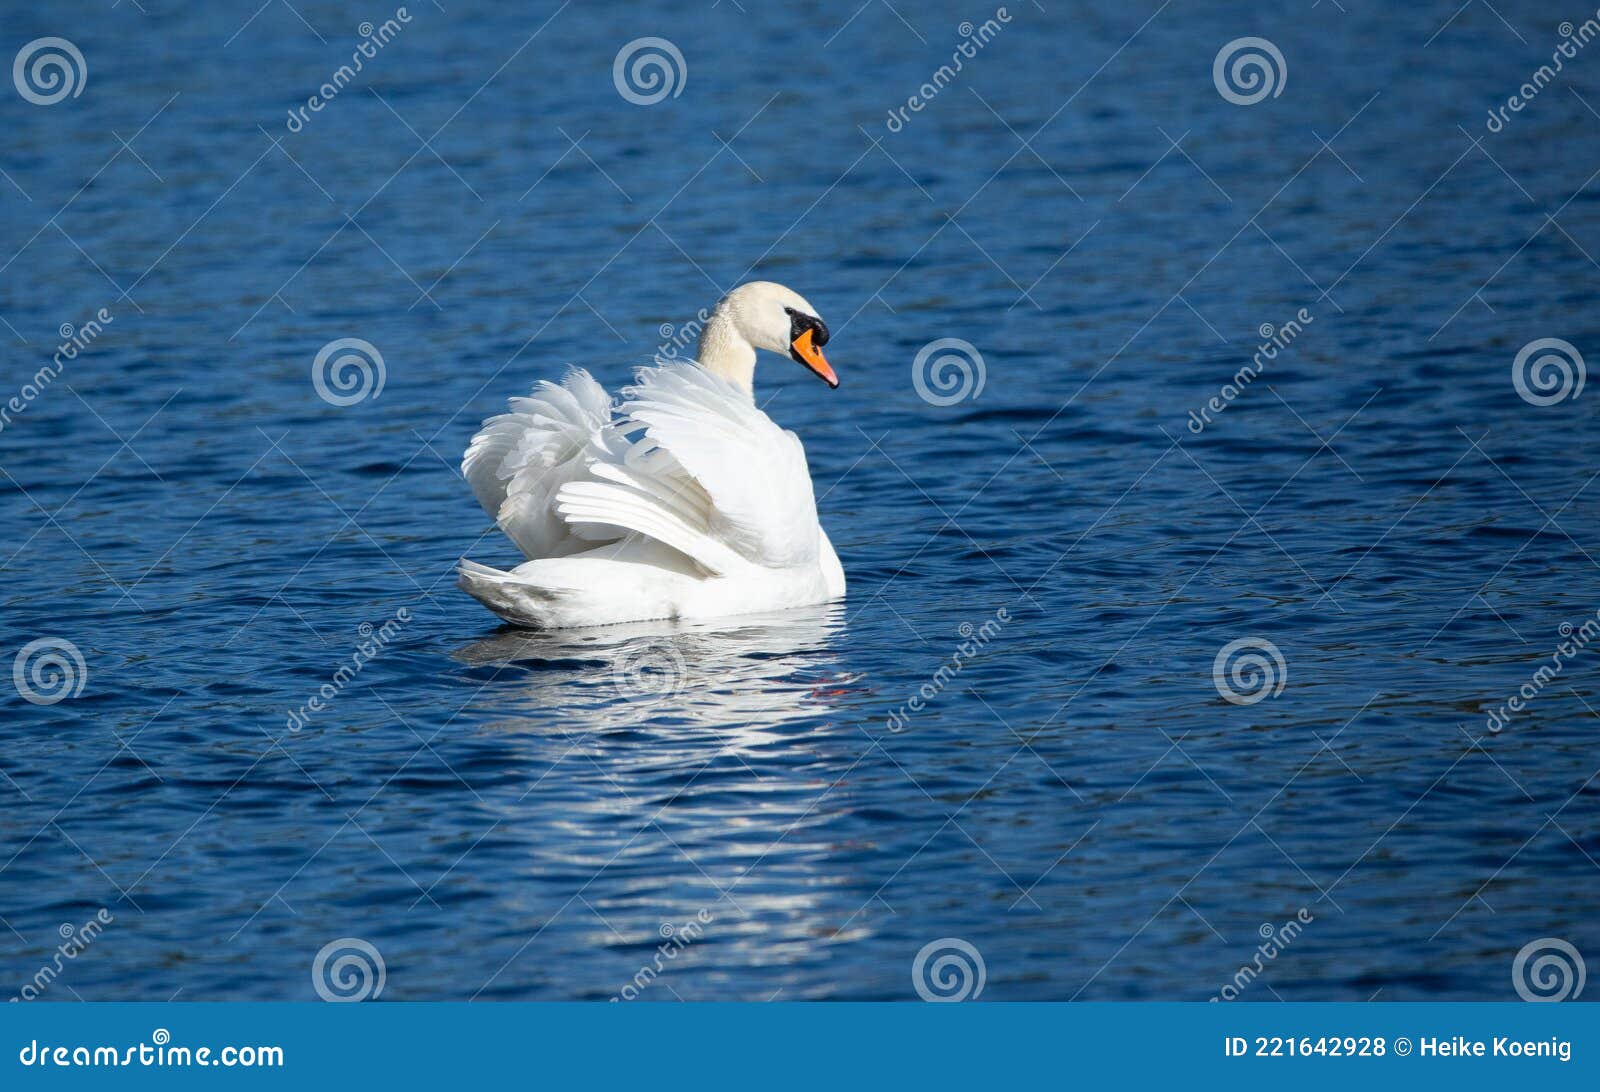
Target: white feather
{"x":687,"y":502}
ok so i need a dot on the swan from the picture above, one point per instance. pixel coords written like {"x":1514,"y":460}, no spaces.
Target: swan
{"x":686,"y":502}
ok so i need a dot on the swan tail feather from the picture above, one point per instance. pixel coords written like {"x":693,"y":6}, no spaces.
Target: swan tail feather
{"x":561,"y":593}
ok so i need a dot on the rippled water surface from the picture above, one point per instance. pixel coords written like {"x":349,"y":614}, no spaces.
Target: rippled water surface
{"x":1010,"y":732}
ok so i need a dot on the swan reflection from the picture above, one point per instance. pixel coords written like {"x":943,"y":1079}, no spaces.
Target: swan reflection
{"x":742,"y":679}
{"x":694,"y":766}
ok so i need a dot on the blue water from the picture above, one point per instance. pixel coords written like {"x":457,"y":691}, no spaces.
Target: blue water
{"x":511,"y":815}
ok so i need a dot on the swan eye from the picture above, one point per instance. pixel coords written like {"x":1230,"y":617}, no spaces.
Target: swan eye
{"x":800,"y":322}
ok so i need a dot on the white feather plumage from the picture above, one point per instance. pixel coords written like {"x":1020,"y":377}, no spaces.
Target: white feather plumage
{"x":687,"y":502}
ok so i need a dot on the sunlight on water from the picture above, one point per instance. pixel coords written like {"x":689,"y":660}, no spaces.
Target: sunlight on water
{"x":1201,"y":469}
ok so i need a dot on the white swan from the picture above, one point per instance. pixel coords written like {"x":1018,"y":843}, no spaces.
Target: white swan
{"x":688,"y":502}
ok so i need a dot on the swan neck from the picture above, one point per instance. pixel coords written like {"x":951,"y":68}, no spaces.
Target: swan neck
{"x":727,"y":353}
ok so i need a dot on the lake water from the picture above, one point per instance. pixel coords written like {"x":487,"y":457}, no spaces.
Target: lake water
{"x":1011,"y":733}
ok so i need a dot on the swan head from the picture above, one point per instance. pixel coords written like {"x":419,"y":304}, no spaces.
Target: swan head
{"x":764,"y":315}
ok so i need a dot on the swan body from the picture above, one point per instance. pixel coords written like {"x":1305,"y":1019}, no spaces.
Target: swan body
{"x":687,"y":501}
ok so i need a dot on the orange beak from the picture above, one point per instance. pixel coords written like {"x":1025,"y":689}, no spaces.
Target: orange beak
{"x":807,"y":353}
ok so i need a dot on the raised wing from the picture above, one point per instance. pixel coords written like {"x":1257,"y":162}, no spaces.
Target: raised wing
{"x":705,"y":472}
{"x":519,"y":460}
